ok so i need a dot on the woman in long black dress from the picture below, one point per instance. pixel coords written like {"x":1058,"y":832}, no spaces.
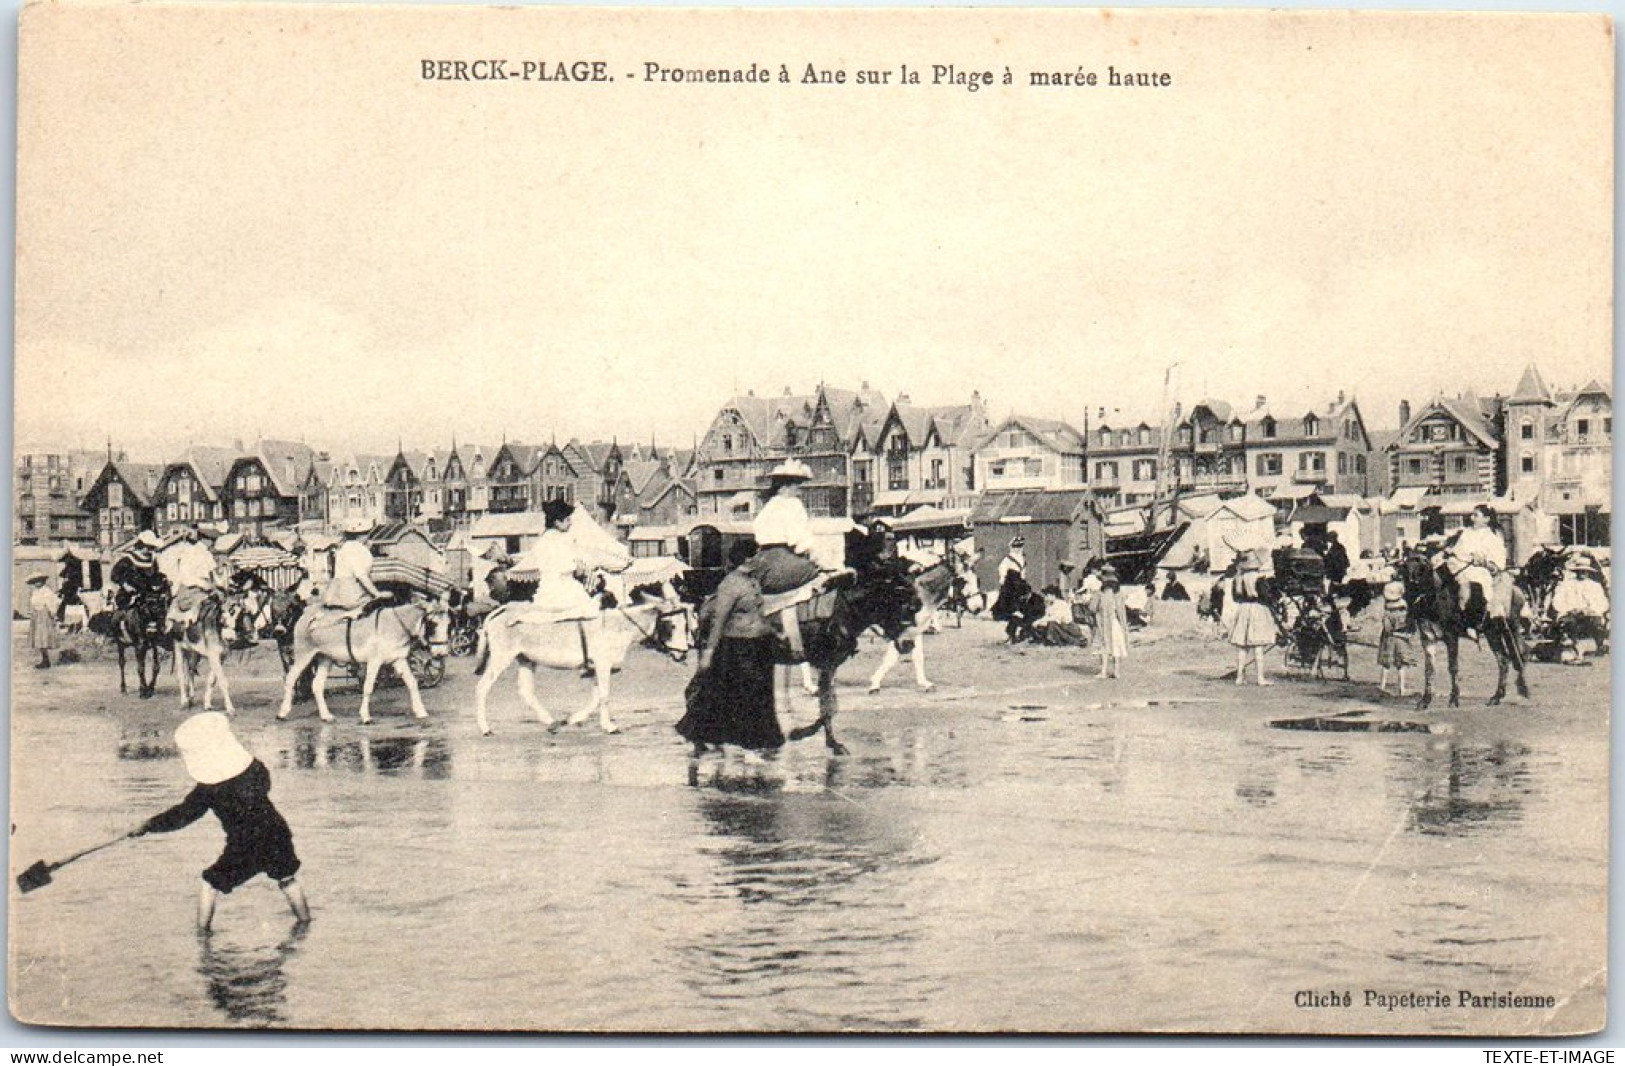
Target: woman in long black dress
{"x":731,"y":698}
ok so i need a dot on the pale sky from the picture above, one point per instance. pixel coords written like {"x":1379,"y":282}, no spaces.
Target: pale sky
{"x":239,"y":222}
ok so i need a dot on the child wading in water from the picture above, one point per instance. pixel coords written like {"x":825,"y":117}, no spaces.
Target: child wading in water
{"x":237,"y":788}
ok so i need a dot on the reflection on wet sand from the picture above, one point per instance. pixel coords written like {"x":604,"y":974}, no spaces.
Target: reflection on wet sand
{"x":327,"y":748}
{"x":142,"y":741}
{"x":813,"y":890}
{"x":1461,"y":788}
{"x":247,"y":982}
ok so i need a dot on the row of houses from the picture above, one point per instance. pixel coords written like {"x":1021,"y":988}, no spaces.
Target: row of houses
{"x":1542,"y":450}
{"x":285,"y":484}
{"x":1546,"y":451}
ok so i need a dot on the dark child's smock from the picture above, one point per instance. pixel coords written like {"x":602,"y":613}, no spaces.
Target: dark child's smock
{"x":257,"y":837}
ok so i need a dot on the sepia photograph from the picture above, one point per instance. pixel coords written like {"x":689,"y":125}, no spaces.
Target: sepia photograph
{"x":755,"y":521}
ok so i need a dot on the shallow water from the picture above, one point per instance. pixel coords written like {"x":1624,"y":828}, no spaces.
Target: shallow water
{"x":1026,"y":858}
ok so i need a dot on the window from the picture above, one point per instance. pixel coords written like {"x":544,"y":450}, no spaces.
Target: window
{"x":1123,"y":438}
{"x":936,"y":474}
{"x":1145,"y":470}
{"x":996,"y":469}
{"x":1035,"y":467}
{"x":1184,"y":434}
{"x":1106,"y":472}
{"x":1527,"y":463}
{"x":1314,"y":462}
{"x":1582,"y":428}
{"x":1526,"y":429}
{"x":1359,"y":464}
{"x":1311,"y":426}
{"x":1342,"y":462}
{"x":716,"y":475}
{"x":115,"y":494}
{"x":1608,"y":425}
{"x":1105,"y":437}
{"x":1145,"y":435}
{"x":1459,"y":463}
{"x":897,"y":469}
{"x":170,"y":512}
{"x":1268,"y":427}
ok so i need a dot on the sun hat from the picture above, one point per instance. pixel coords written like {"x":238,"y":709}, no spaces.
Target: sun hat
{"x":1019,"y":542}
{"x":1393,"y":591}
{"x":211,"y":751}
{"x":357,"y":524}
{"x":791,"y":470}
{"x":148,"y":538}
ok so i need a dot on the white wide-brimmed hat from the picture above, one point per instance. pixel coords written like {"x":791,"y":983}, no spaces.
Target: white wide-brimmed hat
{"x":791,"y":470}
{"x":148,"y":538}
{"x":210,"y":750}
{"x":357,"y":525}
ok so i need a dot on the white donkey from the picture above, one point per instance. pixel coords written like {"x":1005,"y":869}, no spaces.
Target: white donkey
{"x":387,"y":636}
{"x":518,"y":632}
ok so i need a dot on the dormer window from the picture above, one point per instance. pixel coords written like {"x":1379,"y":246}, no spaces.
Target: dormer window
{"x":1311,"y":426}
{"x":1268,"y":427}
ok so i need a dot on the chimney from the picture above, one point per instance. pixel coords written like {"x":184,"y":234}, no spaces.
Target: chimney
{"x":1260,"y":400}
{"x":1404,"y":413}
{"x":903,"y":400}
{"x":1340,"y":397}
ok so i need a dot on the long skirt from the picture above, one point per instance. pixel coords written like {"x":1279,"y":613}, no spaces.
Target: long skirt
{"x":731,"y":702}
{"x":1254,"y":626}
{"x":42,"y":634}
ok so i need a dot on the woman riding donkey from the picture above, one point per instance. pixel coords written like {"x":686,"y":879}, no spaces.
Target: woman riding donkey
{"x":1476,"y":557}
{"x":783,"y":531}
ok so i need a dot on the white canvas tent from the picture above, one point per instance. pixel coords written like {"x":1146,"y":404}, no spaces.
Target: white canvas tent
{"x":1221,"y":528}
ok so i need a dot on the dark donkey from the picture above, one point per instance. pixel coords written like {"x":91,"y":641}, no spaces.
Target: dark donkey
{"x":1431,"y":597}
{"x":137,"y":627}
{"x":879,"y":595}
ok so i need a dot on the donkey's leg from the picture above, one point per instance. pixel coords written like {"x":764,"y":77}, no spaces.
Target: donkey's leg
{"x":809,"y":684}
{"x":526,"y":673}
{"x":318,"y":688}
{"x":1453,"y":654}
{"x":367,"y":683}
{"x":1430,"y":652}
{"x":296,"y":667}
{"x":216,"y":661}
{"x":122,"y":687}
{"x":921,"y":682}
{"x":887,"y":660}
{"x":183,"y":675}
{"x":403,"y":667}
{"x":596,"y":699}
{"x":827,"y":709}
{"x":497,"y":660}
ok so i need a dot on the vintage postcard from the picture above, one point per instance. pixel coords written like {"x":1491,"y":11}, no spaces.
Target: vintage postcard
{"x":1176,"y":446}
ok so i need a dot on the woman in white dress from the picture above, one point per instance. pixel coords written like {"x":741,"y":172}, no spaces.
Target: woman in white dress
{"x":557,"y":562}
